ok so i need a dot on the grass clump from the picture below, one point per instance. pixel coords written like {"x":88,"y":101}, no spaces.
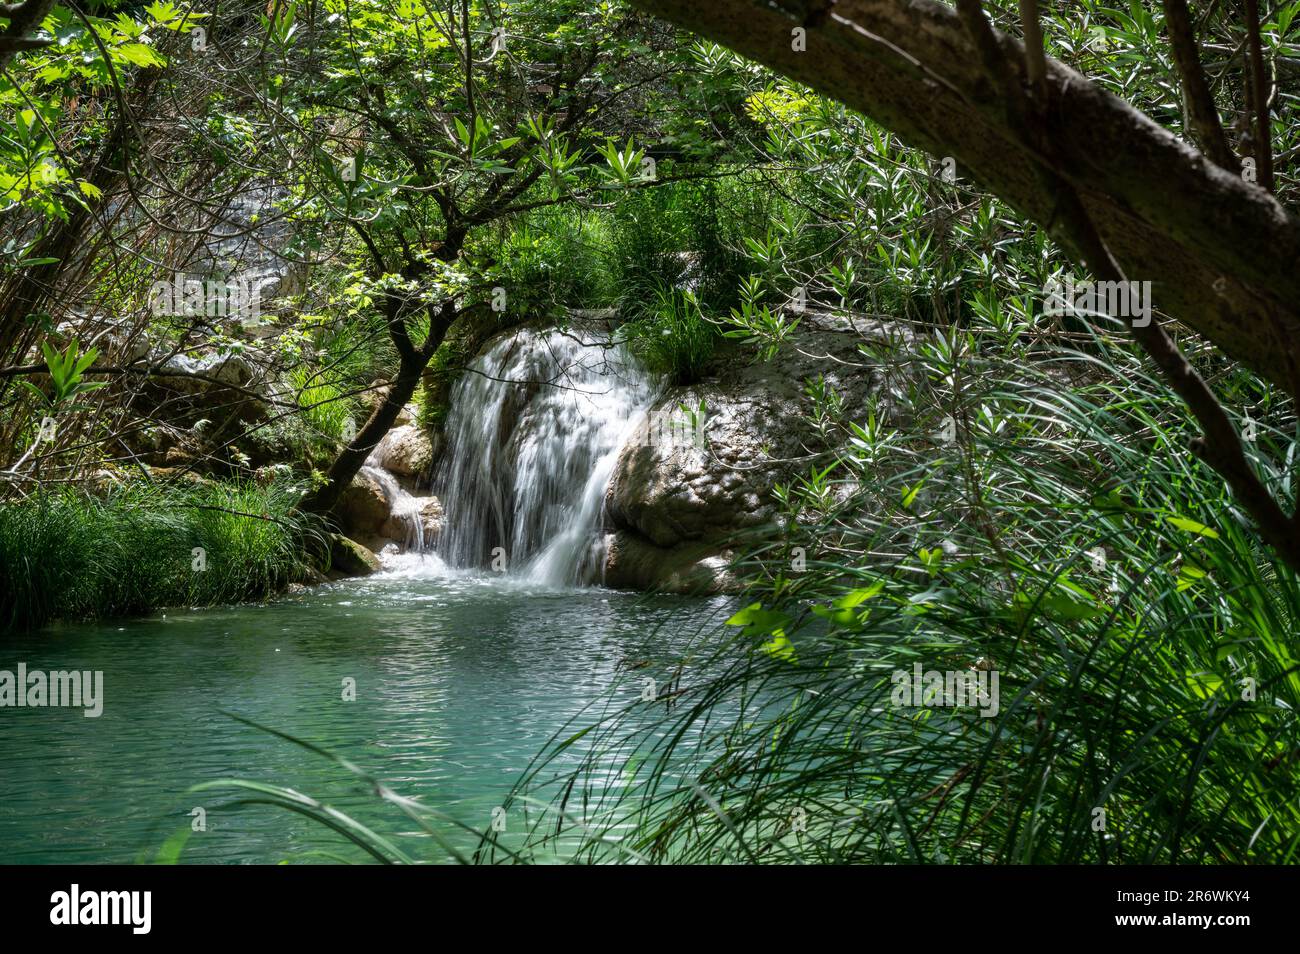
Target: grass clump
{"x":673,"y":338}
{"x":555,"y":259}
{"x":72,"y":555}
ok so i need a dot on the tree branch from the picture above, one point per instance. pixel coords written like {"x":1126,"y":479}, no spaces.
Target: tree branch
{"x":1196,"y":91}
{"x":1259,"y":85}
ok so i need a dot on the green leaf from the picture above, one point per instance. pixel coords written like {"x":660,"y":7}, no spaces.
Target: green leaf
{"x":1191,"y":526}
{"x":780,"y":647}
{"x":858,"y":596}
{"x":758,"y":621}
{"x":909,"y":494}
{"x":140,"y":55}
{"x":1204,"y":684}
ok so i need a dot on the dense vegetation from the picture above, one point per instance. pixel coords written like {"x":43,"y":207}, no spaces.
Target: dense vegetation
{"x":1021,"y":498}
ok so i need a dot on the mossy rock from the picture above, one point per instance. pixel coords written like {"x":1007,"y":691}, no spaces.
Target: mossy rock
{"x":349,"y":558}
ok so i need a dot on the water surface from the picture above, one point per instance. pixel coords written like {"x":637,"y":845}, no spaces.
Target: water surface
{"x":460,"y":678}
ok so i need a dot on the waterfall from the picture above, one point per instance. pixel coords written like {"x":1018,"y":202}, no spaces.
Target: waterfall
{"x":534,"y":431}
{"x":402,"y":507}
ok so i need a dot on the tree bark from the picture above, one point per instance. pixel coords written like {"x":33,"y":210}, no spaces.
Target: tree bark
{"x":24,"y":19}
{"x":1220,"y":252}
{"x":350,"y":460}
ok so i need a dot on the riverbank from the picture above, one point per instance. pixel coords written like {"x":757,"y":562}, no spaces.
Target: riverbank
{"x":135,"y":546}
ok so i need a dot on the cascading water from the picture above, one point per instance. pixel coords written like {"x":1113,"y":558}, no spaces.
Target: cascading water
{"x":533,"y":435}
{"x":403,"y":508}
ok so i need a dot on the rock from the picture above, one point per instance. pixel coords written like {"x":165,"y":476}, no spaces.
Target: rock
{"x":428,"y":510}
{"x":406,"y":451}
{"x":196,"y":375}
{"x":363,"y":507}
{"x":632,"y":563}
{"x":431,"y":517}
{"x":351,"y":558}
{"x":199,"y":405}
{"x":692,"y":485}
{"x":371,"y":398}
{"x":671,"y":492}
{"x":180,"y":473}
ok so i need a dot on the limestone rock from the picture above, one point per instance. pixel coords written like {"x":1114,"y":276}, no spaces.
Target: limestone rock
{"x":363,"y":507}
{"x":428,"y":510}
{"x":633,"y":563}
{"x":406,"y":452}
{"x":695,"y":480}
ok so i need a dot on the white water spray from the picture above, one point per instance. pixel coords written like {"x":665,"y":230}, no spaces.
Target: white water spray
{"x":534,"y":432}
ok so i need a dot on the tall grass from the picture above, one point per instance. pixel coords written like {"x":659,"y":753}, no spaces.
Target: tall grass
{"x":673,"y":338}
{"x":72,"y":555}
{"x":326,"y":406}
{"x":555,"y":258}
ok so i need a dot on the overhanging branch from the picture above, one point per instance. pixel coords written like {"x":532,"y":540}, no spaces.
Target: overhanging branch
{"x":1220,"y":252}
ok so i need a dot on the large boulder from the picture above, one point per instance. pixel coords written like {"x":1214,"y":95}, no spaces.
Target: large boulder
{"x":694,"y":483}
{"x":205,"y":410}
{"x":363,"y":507}
{"x":406,"y":452}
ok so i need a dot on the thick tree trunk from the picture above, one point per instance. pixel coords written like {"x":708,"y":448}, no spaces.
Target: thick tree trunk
{"x":1221,"y":252}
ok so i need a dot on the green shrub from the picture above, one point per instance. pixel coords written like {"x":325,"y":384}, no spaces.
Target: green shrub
{"x":673,"y":338}
{"x":686,"y":233}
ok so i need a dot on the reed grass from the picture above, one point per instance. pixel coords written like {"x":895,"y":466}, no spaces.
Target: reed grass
{"x":74,"y":555}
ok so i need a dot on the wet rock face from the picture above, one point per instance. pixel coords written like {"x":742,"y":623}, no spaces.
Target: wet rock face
{"x":429,"y":513}
{"x":693,"y":484}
